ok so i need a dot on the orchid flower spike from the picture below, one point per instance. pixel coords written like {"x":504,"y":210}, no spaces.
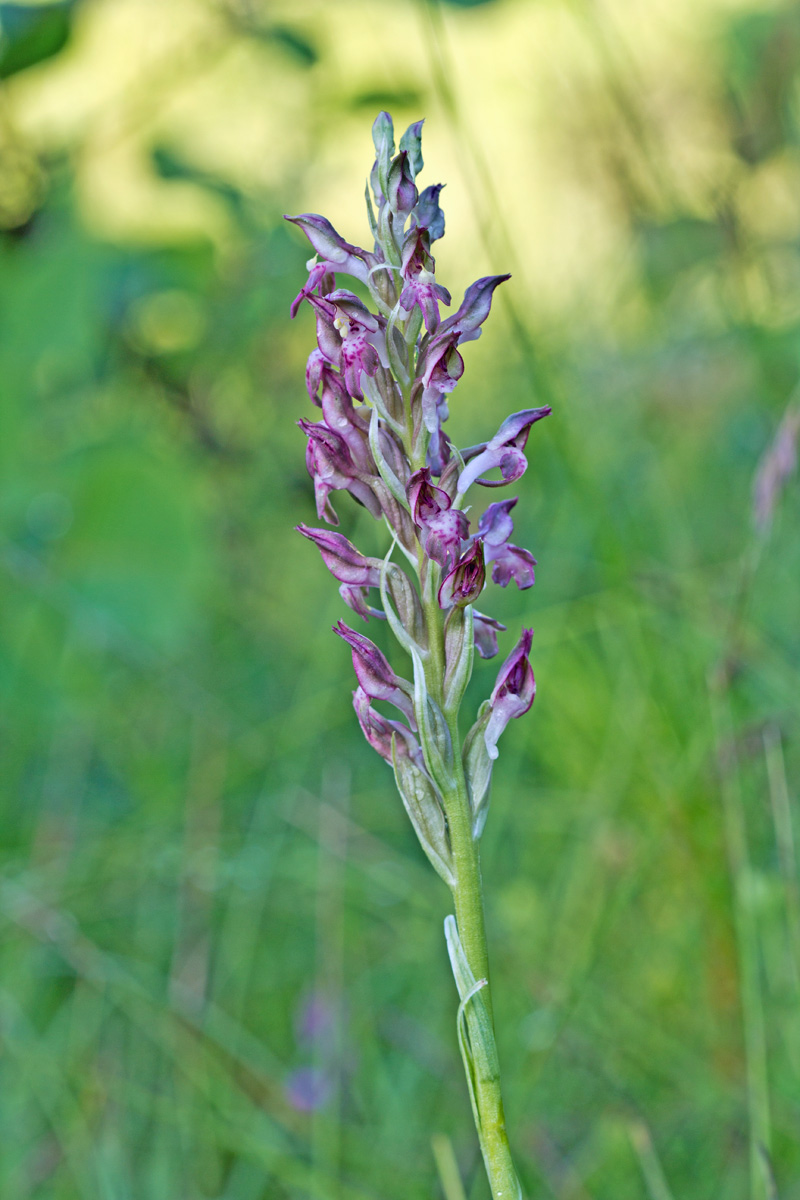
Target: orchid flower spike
{"x":383,"y":376}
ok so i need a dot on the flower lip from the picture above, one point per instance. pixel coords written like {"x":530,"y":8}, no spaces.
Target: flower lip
{"x":442,"y":528}
{"x":425,"y":498}
{"x":316,"y":274}
{"x":485,"y":633}
{"x":508,"y":561}
{"x":496,"y":525}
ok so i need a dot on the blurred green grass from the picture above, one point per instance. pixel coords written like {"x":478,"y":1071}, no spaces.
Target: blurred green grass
{"x":196,"y":841}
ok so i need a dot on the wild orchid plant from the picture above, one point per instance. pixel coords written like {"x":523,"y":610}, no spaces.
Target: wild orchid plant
{"x":382,"y":380}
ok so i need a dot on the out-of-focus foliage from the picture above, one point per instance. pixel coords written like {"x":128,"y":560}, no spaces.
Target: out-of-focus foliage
{"x":208,"y":890}
{"x":29,"y":34}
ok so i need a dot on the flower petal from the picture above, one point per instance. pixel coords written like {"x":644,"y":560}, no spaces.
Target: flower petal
{"x":513,"y":693}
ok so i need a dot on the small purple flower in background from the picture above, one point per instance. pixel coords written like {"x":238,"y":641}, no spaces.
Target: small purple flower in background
{"x":776,"y":466}
{"x":308,"y":1089}
{"x":384,"y":375}
{"x":315,"y":1019}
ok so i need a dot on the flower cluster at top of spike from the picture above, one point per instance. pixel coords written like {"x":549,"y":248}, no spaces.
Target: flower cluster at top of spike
{"x":386,"y":363}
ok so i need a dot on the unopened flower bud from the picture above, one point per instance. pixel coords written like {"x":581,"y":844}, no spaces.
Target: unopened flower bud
{"x":466,"y":580}
{"x":402,"y":192}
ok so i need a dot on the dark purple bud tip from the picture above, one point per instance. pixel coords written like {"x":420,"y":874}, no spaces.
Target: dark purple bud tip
{"x":428,"y":213}
{"x":331,"y":246}
{"x":374,"y":674}
{"x":476,"y":305}
{"x":343,"y":560}
{"x":401,"y":189}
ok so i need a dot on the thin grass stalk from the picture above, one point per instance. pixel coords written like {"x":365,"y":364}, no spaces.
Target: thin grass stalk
{"x":747,"y":945}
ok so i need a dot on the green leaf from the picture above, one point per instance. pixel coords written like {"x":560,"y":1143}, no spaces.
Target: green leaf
{"x":459,"y":644}
{"x":395,"y":583}
{"x":423,"y":805}
{"x":32,"y":34}
{"x":296,"y":45}
{"x":474,"y":1025}
{"x":478,"y":769}
{"x":434,"y":735}
{"x":384,"y":470}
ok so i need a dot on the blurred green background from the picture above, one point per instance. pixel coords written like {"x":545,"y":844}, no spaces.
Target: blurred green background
{"x":222,"y":969}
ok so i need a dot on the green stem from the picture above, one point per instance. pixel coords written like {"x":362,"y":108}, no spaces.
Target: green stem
{"x":468,"y":900}
{"x":467,"y":890}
